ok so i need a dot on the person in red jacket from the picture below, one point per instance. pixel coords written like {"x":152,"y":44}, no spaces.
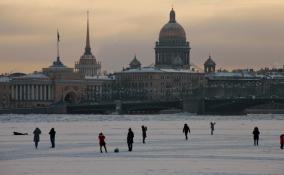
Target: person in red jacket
{"x":102,"y":142}
{"x":282,"y":141}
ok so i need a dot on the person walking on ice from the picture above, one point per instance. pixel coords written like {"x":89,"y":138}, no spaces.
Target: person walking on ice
{"x":256,"y":134}
{"x":130,"y":137}
{"x":102,"y":142}
{"x":144,"y":134}
{"x":36,"y":133}
{"x":212,"y":126}
{"x":52,"y":133}
{"x":186,"y":130}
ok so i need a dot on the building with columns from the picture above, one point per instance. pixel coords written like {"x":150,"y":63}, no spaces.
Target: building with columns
{"x":170,"y":78}
{"x":32,"y":90}
{"x":88,"y":64}
{"x":56,"y":84}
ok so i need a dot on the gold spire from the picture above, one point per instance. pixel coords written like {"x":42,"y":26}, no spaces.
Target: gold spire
{"x":88,"y":46}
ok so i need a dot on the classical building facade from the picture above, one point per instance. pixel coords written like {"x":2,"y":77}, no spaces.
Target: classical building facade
{"x":54,"y":85}
{"x":172,"y":50}
{"x":150,"y":83}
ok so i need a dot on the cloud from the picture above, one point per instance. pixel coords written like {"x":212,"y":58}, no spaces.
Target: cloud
{"x":238,"y":33}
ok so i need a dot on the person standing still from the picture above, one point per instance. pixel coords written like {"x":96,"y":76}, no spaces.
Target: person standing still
{"x":36,"y":133}
{"x":212,"y":126}
{"x":144,"y":134}
{"x":130,"y":137}
{"x":102,"y":142}
{"x":186,"y":130}
{"x":282,"y":141}
{"x":256,"y":134}
{"x":52,"y":133}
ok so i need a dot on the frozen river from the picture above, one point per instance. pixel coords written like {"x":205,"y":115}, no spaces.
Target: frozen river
{"x":229,"y":151}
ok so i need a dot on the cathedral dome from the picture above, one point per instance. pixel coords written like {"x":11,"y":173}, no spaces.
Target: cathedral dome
{"x":172,"y":31}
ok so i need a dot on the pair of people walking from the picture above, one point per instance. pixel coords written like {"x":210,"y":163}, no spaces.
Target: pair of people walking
{"x":186,"y":129}
{"x":37,"y":133}
{"x":130,"y":138}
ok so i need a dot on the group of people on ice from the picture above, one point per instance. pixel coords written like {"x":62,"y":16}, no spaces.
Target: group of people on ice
{"x":130,"y":137}
{"x":186,"y":129}
{"x":37,"y":132}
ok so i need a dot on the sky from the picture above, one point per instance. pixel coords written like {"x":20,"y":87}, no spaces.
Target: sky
{"x":237,"y":33}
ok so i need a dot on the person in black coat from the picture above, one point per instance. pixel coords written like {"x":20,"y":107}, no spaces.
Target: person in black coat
{"x":130,"y":137}
{"x":52,"y":133}
{"x":144,"y":134}
{"x":256,"y":134}
{"x":186,"y":130}
{"x":36,"y":133}
{"x":212,"y":126}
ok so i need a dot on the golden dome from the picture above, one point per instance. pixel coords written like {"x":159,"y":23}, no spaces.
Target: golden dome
{"x":172,"y":31}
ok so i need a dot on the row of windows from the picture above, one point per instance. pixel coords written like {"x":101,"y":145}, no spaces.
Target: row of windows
{"x":138,"y":84}
{"x":169,"y":84}
{"x":180,"y":77}
{"x":133,"y":77}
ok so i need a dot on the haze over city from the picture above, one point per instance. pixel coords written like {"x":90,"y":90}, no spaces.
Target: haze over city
{"x":237,"y":33}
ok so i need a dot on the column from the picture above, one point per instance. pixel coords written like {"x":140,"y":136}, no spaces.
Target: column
{"x":28,"y":92}
{"x":21,"y":93}
{"x":40,"y":92}
{"x":33,"y":92}
{"x":52,"y":92}
{"x":36,"y":92}
{"x":44,"y":92}
{"x":17,"y":88}
{"x":49,"y":92}
{"x":12,"y":92}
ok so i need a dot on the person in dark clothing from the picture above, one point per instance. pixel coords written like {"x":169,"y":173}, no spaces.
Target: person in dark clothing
{"x":144,"y":134}
{"x":19,"y":133}
{"x":36,"y":133}
{"x":130,"y":137}
{"x":212,"y":126}
{"x":102,"y":142}
{"x":186,"y":130}
{"x":282,"y":141}
{"x":52,"y":133}
{"x":255,"y":136}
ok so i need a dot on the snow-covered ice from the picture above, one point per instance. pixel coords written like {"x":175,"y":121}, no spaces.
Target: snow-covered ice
{"x":229,"y":151}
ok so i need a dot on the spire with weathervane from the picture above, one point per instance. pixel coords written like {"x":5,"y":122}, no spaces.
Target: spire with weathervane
{"x":88,"y":65}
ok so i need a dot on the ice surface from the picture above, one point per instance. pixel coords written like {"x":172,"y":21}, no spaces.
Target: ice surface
{"x":229,"y":151}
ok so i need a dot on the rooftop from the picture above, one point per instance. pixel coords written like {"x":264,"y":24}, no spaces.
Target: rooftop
{"x":5,"y":79}
{"x":156,"y":70}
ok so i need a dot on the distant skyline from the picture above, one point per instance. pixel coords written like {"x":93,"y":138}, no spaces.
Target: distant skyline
{"x":237,"y":33}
